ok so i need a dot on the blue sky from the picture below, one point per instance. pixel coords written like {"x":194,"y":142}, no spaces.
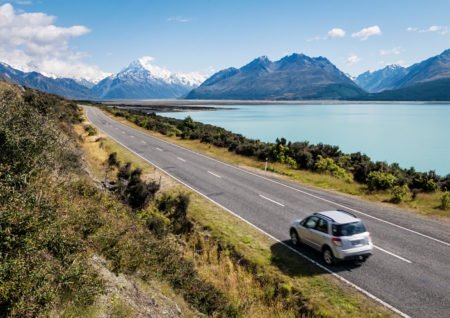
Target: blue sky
{"x":209,"y":35}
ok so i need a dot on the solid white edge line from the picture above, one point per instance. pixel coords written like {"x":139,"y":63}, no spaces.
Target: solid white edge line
{"x":392,"y":254}
{"x":215,"y":175}
{"x":273,"y":201}
{"x":344,"y":280}
{"x":292,"y":188}
{"x":181,"y":159}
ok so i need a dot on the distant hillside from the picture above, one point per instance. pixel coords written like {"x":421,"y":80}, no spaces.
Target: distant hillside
{"x":438,"y":90}
{"x":294,"y":77}
{"x":65,"y":87}
{"x":386,"y":78}
{"x":396,"y":77}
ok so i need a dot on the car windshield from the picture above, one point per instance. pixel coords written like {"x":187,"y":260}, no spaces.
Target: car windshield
{"x":348,"y":229}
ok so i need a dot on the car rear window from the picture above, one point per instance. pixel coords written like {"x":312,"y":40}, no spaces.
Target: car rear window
{"x":348,"y":229}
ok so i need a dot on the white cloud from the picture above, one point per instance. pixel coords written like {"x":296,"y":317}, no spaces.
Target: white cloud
{"x":353,"y":59}
{"x":333,"y":33}
{"x":394,"y":51}
{"x":439,"y":29}
{"x":336,"y":33}
{"x":365,"y":33}
{"x":32,"y":42}
{"x":179,"y":19}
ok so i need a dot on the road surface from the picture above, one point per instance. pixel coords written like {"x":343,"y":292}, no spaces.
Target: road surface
{"x":410,"y":269}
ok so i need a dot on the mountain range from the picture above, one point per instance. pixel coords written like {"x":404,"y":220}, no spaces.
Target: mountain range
{"x":139,"y":80}
{"x":394,"y":77}
{"x":294,"y":77}
{"x":143,"y":80}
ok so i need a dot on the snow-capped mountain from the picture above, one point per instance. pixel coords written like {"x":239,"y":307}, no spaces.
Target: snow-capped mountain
{"x":391,"y":77}
{"x":380,"y":80}
{"x":143,"y":80}
{"x":61,"y":86}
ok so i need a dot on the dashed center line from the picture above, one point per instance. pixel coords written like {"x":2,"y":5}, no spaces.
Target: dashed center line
{"x":392,"y":254}
{"x":215,"y":175}
{"x":159,"y":149}
{"x":181,"y":159}
{"x":143,"y":142}
{"x":131,"y":136}
{"x":273,"y":201}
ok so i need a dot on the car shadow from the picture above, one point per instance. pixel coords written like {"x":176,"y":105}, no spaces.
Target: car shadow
{"x":292,"y":260}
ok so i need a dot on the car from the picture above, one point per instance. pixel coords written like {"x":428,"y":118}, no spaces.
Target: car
{"x":338,"y":235}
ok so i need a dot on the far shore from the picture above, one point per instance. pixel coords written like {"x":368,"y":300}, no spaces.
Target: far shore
{"x":161,"y":103}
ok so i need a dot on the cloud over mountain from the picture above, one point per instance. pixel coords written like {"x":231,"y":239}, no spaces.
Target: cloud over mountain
{"x":32,"y":42}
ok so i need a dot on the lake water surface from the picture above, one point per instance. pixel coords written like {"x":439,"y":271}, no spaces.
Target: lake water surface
{"x":414,"y":135}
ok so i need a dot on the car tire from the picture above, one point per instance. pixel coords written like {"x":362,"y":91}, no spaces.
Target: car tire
{"x":327,"y":256}
{"x":295,"y":239}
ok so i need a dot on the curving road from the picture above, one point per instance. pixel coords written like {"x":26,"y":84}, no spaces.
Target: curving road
{"x":410,"y":269}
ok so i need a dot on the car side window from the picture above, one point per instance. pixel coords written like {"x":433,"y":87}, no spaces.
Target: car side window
{"x":322,"y":226}
{"x":311,"y":222}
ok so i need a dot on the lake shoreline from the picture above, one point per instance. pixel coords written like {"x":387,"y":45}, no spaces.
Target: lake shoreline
{"x":184,"y":102}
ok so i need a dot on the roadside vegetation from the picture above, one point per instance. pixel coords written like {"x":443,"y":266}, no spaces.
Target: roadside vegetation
{"x":320,"y":165}
{"x":87,"y":229}
{"x":259,"y":278}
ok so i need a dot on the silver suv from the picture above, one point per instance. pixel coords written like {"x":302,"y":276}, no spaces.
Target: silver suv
{"x":339,"y":235}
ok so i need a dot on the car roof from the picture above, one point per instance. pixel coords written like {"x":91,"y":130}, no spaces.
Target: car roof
{"x":339,"y":217}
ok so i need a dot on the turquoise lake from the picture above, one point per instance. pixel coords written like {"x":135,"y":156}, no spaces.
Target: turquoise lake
{"x":413,"y":135}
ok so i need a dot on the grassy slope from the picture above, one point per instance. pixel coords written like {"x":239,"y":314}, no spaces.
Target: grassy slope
{"x":56,"y":225}
{"x":321,"y":293}
{"x":424,"y":204}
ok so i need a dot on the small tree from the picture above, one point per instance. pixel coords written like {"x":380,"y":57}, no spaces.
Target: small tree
{"x":327,"y":165}
{"x":110,"y":163}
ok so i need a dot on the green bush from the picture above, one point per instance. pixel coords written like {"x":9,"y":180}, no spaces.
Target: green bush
{"x":400,"y":194}
{"x":378,"y":180}
{"x":445,"y":201}
{"x":327,"y":165}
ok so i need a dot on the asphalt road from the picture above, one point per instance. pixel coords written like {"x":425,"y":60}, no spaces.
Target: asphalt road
{"x":410,"y":269}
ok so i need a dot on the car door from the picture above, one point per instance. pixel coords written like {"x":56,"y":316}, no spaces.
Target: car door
{"x":320,"y":234}
{"x":305,"y":230}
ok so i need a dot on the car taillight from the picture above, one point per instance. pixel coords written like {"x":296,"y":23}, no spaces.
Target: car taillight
{"x":337,"y":241}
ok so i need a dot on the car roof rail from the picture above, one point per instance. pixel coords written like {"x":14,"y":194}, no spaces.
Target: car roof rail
{"x":324,"y":216}
{"x":346,"y":212}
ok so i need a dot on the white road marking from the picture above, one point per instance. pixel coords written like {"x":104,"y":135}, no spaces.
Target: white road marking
{"x":143,"y":142}
{"x":273,"y":201}
{"x":329,"y":201}
{"x":159,"y":149}
{"x":131,"y":136}
{"x":307,"y":193}
{"x":123,"y":131}
{"x":344,"y":280}
{"x":215,"y":175}
{"x":392,"y":254}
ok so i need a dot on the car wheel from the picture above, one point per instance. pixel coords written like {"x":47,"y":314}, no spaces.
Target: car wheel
{"x":294,"y":237}
{"x":328,"y":256}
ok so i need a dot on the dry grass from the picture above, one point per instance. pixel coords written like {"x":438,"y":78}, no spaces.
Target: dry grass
{"x":247,"y":269}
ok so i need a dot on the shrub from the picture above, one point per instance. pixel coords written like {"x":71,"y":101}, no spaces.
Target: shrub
{"x":445,"y":201}
{"x":175,"y":207}
{"x":327,"y":165}
{"x":155,"y":221}
{"x":91,"y":131}
{"x":399,"y":193}
{"x":379,"y":180}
